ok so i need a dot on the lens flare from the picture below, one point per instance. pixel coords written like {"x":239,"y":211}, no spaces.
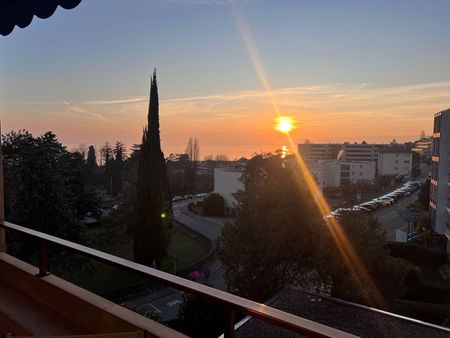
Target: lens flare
{"x":354,"y":264}
{"x":284,"y":124}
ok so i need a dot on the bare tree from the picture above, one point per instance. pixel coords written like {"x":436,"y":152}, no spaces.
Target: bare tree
{"x":83,"y":149}
{"x":190,"y":148}
{"x":221,"y":157}
{"x":196,"y":150}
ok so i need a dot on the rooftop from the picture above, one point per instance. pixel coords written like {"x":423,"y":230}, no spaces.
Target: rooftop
{"x":353,"y":318}
{"x":396,"y":150}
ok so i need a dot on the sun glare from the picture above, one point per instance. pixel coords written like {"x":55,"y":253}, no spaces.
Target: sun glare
{"x":284,"y":124}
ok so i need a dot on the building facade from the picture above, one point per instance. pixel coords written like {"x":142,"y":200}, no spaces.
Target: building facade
{"x":337,"y":173}
{"x":226,"y":183}
{"x":344,"y":151}
{"x":397,"y":161}
{"x":423,"y":147}
{"x":440,"y":186}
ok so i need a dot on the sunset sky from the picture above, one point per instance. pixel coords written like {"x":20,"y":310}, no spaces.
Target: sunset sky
{"x":344,"y":70}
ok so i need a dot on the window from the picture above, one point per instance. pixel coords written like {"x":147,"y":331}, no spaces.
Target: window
{"x":406,"y":161}
{"x":396,"y":161}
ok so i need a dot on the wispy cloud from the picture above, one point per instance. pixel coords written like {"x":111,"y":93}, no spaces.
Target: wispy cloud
{"x":237,"y":122}
{"x":128,"y":100}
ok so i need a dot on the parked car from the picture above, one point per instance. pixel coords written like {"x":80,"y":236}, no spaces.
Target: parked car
{"x":369,"y":205}
{"x":404,"y":192}
{"x":177,"y":198}
{"x":394,"y":195}
{"x":386,"y":201}
{"x":361,"y":209}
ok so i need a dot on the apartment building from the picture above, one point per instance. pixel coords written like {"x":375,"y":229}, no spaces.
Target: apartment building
{"x":336,"y":173}
{"x":344,"y":151}
{"x":440,"y":186}
{"x":227,"y":182}
{"x":397,"y":161}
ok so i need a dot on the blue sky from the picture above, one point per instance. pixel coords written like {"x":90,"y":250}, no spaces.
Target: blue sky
{"x":105,"y":50}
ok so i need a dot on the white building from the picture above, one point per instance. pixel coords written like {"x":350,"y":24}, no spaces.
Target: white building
{"x":336,"y":173}
{"x":440,"y":186}
{"x":227,"y":182}
{"x":396,"y":161}
{"x":344,"y":151}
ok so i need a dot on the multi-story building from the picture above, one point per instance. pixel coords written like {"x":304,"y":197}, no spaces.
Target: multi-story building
{"x":361,"y":152}
{"x":319,"y":152}
{"x":227,"y":182}
{"x":423,"y":147}
{"x":440,"y":170}
{"x":345,"y":151}
{"x":336,"y":173}
{"x":396,"y":161}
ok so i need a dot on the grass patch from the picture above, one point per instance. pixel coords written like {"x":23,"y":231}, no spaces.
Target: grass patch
{"x":104,"y":278}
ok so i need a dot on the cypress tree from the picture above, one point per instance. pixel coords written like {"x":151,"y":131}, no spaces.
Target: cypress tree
{"x":91,"y":159}
{"x":153,"y":204}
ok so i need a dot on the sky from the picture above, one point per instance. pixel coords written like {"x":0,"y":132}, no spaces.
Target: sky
{"x":349,"y":70}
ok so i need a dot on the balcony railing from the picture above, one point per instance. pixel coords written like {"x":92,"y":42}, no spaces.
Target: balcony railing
{"x":231,"y":303}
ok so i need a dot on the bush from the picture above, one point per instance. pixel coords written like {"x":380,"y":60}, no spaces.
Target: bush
{"x":214,"y":205}
{"x":418,"y":255}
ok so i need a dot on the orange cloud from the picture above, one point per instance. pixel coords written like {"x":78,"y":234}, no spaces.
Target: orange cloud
{"x":241,"y":123}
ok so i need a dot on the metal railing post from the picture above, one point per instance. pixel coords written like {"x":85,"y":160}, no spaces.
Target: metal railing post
{"x":229,"y":324}
{"x":2,"y":205}
{"x":43,"y":258}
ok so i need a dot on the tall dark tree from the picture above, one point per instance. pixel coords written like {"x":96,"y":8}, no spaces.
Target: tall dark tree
{"x":117,"y":167}
{"x":193,"y":153}
{"x":153,"y":203}
{"x":106,"y":153}
{"x":424,"y":194}
{"x":91,"y":160}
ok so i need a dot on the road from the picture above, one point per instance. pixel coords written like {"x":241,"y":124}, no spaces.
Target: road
{"x":166,"y":302}
{"x":391,"y":217}
{"x":211,"y":227}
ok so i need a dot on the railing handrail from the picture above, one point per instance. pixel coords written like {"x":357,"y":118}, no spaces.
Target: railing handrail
{"x":229,"y":301}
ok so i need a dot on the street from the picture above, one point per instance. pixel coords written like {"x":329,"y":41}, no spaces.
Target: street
{"x":390,"y":217}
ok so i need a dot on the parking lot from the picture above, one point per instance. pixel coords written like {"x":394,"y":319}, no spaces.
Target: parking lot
{"x":398,"y":196}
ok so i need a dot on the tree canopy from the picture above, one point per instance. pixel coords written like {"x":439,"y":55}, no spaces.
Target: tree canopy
{"x":279,"y":238}
{"x":273,"y":237}
{"x":46,"y":187}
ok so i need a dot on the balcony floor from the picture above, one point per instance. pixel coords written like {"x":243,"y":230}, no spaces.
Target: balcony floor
{"x":21,"y":314}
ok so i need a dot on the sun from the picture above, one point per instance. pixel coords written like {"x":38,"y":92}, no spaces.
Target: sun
{"x":284,"y":124}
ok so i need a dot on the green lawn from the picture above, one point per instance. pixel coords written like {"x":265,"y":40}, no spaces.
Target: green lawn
{"x":105,"y":278}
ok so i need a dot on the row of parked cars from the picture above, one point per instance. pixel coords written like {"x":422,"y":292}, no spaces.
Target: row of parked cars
{"x":189,"y":197}
{"x":383,"y":201}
